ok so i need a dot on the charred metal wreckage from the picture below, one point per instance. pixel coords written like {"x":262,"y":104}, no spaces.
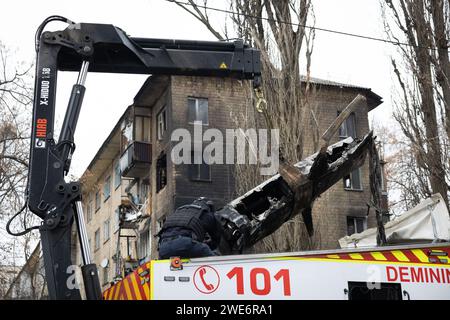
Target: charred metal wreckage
{"x":262,"y":210}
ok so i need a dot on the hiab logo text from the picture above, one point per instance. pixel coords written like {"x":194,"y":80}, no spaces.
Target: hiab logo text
{"x":206,"y":279}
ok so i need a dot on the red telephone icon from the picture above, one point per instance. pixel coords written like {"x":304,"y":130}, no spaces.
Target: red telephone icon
{"x":208,"y":286}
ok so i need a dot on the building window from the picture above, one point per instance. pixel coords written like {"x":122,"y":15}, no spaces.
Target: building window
{"x":97,"y":239}
{"x":353,"y":180}
{"x":105,"y":275}
{"x":127,"y":134}
{"x":142,"y":129}
{"x":116,"y":219}
{"x":162,"y":123}
{"x":144,"y":244}
{"x":199,"y":172}
{"x":117,"y":175}
{"x":90,"y":245}
{"x":88,"y":211}
{"x":198,"y":110}
{"x":356,"y":224}
{"x":144,"y":189}
{"x":348,"y":127}
{"x":106,"y":230}
{"x":161,"y":172}
{"x":97,"y":201}
{"x":107,"y":188}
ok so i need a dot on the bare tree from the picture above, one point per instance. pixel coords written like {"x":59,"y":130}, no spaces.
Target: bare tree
{"x":15,"y":111}
{"x":422,"y":106}
{"x":277,"y":29}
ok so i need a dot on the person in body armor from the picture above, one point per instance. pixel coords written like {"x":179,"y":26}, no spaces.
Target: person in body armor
{"x":190,"y":231}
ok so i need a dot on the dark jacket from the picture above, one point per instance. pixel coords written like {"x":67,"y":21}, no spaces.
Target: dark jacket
{"x":207,"y":220}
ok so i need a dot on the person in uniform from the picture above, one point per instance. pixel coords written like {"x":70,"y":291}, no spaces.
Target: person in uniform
{"x":190,"y":231}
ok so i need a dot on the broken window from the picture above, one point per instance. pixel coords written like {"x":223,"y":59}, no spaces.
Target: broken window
{"x":161,"y":172}
{"x":353,"y":180}
{"x":356,"y":224}
{"x":161,"y":123}
{"x":198,"y":110}
{"x":199,"y":172}
{"x":348,"y":127}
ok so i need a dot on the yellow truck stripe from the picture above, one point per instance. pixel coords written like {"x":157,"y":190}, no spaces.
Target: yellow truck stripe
{"x":378,"y":256}
{"x":127,"y":289}
{"x":420,"y":255}
{"x":356,"y":256}
{"x":119,"y":284}
{"x":400,"y":256}
{"x":136,"y":288}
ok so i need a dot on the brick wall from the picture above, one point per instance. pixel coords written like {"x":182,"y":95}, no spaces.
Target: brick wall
{"x":330,"y":211}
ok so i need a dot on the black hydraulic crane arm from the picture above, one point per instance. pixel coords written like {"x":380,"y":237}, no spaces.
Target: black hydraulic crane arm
{"x":90,"y":47}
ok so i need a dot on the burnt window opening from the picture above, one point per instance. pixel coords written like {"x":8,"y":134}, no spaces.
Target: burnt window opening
{"x":348,"y":127}
{"x":199,"y":171}
{"x":353,"y":180}
{"x":161,"y":172}
{"x":356,"y":225}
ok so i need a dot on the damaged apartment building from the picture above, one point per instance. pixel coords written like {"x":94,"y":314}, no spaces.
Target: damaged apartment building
{"x":132,"y":175}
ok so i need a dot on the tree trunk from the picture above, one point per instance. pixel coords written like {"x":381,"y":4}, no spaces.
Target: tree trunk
{"x":434,"y":155}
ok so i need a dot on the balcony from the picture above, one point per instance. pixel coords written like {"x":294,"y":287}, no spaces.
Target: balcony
{"x":136,"y":160}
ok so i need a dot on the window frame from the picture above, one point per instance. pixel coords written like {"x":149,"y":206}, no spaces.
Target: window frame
{"x":352,"y":188}
{"x":196,"y":100}
{"x":355,"y":224}
{"x":144,"y":234}
{"x":159,"y":169}
{"x":107,"y":184}
{"x":161,"y":134}
{"x":351,"y":117}
{"x":144,"y":123}
{"x":88,"y":211}
{"x":117,"y":177}
{"x":105,"y":275}
{"x":106,"y":230}
{"x":116,"y":225}
{"x":98,"y":201}
{"x":97,"y":240}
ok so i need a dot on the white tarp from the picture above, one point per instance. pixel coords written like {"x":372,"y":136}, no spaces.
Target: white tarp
{"x":427,"y":222}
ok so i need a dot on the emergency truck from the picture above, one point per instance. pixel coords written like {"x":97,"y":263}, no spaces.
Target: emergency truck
{"x":407,"y":272}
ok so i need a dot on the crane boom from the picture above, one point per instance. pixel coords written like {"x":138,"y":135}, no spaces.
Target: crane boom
{"x":91,"y":47}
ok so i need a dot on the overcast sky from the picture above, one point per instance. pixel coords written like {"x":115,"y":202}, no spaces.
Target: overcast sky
{"x":335,"y":57}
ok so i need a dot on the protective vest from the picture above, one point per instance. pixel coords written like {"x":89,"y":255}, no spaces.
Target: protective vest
{"x":187,"y":217}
